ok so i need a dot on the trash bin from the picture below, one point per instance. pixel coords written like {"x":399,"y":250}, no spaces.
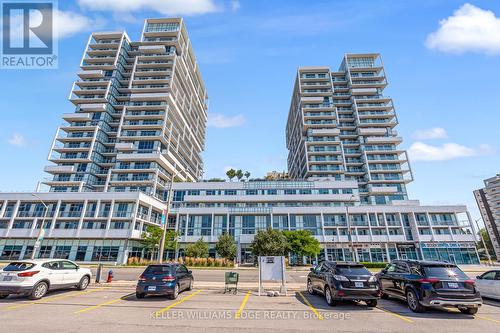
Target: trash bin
{"x":231,"y":282}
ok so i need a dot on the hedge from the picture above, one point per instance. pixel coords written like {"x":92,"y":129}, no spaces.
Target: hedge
{"x":374,"y":264}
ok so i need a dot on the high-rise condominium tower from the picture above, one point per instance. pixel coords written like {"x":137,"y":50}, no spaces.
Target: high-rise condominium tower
{"x":341,"y":126}
{"x":488,"y":201}
{"x":140,"y":114}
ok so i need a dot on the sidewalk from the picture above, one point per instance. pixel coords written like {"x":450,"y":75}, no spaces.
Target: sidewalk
{"x":254,"y":286}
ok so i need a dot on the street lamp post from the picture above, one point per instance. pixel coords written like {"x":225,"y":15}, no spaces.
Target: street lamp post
{"x":164,"y":234}
{"x":484,"y":243}
{"x":42,"y":225}
{"x":349,"y":230}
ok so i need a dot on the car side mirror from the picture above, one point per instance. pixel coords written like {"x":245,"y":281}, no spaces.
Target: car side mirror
{"x":478,"y":277}
{"x":77,"y":267}
{"x":311,"y":269}
{"x":190,"y":272}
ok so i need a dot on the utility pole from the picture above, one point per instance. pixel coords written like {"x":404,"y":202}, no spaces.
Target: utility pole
{"x":164,"y":234}
{"x":42,"y":230}
{"x":484,"y":243}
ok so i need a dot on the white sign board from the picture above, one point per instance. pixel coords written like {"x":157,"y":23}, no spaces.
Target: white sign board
{"x":272,"y":268}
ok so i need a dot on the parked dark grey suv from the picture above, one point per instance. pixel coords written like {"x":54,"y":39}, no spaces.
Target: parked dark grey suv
{"x":339,"y":281}
{"x":429,"y":283}
{"x":165,"y":279}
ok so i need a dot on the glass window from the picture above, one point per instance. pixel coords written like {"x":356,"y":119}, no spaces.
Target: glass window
{"x":402,"y":268}
{"x":18,"y":266}
{"x":182,"y":269}
{"x":352,"y":270}
{"x":68,"y":265}
{"x":158,"y":269}
{"x":53,"y":265}
{"x":444,"y":271}
{"x":489,"y":275}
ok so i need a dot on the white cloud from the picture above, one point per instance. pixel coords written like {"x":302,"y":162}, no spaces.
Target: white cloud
{"x":166,"y":7}
{"x":431,"y":133}
{"x":66,"y":23}
{"x":235,"y":5}
{"x":17,"y":140}
{"x":70,"y":23}
{"x":221,"y":121}
{"x":420,"y":151}
{"x":470,"y":28}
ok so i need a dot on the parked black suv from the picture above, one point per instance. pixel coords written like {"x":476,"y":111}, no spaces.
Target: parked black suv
{"x":429,"y":283}
{"x":164,"y":279}
{"x":343,"y":281}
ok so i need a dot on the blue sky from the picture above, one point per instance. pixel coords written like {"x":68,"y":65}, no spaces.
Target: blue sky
{"x":441,"y":59}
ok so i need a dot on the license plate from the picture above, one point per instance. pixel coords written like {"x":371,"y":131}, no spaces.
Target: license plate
{"x":358,"y":284}
{"x":152,"y":288}
{"x":453,"y":285}
{"x":7,"y":278}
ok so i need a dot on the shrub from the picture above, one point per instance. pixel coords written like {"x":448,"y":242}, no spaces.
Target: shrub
{"x":374,"y":264}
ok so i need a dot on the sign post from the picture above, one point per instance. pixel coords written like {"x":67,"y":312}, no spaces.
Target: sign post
{"x":272,"y":268}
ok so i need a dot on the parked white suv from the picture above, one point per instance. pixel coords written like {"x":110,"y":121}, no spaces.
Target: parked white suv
{"x":35,"y":277}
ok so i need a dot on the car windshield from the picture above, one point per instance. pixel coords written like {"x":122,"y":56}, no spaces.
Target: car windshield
{"x":444,"y":271}
{"x":18,"y":266}
{"x":352,"y":270}
{"x":158,"y":269}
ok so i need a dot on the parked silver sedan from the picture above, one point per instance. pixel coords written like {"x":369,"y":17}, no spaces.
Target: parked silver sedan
{"x":488,"y":284}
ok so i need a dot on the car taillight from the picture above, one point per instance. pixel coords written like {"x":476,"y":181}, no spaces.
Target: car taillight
{"x":428,"y":280}
{"x":168,"y":279}
{"x":27,"y":274}
{"x":470,"y":282}
{"x":142,"y":278}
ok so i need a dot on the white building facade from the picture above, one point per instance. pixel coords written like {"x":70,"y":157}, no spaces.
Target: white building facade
{"x":108,"y":226}
{"x":140,"y":114}
{"x":488,"y":201}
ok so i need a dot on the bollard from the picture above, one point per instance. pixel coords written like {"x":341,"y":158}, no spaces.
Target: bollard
{"x":98,"y":273}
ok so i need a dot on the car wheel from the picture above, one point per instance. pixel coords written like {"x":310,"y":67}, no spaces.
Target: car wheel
{"x":469,"y":311}
{"x":139,"y":295}
{"x":84,"y":283}
{"x":2,"y":296}
{"x":328,"y":297}
{"x":413,"y":303}
{"x":190,"y":285}
{"x":372,"y":303}
{"x":39,"y":290}
{"x":176,"y":292}
{"x":310,"y":288}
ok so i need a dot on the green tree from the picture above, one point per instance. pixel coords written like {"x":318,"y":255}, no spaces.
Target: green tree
{"x":231,"y":173}
{"x":151,"y":239}
{"x":225,"y":247}
{"x":198,"y":249}
{"x":215,"y":180}
{"x":239,"y":174}
{"x":480,"y":248}
{"x":247,"y":175}
{"x":171,"y":240}
{"x":302,"y":243}
{"x":270,"y":242}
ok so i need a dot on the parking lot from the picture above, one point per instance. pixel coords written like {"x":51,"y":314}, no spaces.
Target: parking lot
{"x":114,"y":308}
